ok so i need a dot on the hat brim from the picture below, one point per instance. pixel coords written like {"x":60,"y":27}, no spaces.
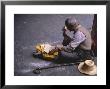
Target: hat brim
{"x":93,"y":72}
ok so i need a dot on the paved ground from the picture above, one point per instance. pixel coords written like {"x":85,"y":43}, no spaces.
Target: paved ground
{"x":30,"y":30}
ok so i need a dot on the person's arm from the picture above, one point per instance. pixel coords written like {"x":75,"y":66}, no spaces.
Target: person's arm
{"x":66,"y":39}
{"x":79,"y":37}
{"x":67,"y":33}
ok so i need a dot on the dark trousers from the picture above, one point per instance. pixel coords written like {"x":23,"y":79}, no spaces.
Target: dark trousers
{"x":77,"y":54}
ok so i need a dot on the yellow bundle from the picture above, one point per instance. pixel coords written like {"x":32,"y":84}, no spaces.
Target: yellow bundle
{"x":40,"y":48}
{"x":46,"y":56}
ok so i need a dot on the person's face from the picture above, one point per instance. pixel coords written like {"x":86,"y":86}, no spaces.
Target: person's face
{"x":70,"y":28}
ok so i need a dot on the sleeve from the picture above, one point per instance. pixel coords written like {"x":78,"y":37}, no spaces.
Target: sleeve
{"x":78,"y":38}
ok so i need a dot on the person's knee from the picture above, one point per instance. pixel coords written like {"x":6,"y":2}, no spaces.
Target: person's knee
{"x":66,"y":54}
{"x":69,"y":55}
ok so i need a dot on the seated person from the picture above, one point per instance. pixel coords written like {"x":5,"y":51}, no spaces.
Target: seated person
{"x":77,"y":41}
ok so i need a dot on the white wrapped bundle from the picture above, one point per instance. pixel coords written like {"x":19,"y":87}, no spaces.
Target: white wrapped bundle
{"x":48,"y":48}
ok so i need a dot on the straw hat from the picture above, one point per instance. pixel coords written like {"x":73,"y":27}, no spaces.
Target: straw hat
{"x":88,"y":67}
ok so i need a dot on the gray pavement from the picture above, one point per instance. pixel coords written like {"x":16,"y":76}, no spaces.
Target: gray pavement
{"x":30,"y":30}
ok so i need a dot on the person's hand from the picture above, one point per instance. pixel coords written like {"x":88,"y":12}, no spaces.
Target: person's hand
{"x":67,"y":33}
{"x":64,"y":29}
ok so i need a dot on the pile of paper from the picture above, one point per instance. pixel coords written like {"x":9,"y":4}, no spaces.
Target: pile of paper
{"x":48,"y":48}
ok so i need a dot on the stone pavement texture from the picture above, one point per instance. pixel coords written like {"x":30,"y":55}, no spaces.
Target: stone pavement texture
{"x":30,"y":30}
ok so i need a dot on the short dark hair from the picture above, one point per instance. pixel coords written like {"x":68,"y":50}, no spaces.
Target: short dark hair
{"x":70,"y":22}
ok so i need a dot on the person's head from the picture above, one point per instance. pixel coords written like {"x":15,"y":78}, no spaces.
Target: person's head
{"x":71,"y":23}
